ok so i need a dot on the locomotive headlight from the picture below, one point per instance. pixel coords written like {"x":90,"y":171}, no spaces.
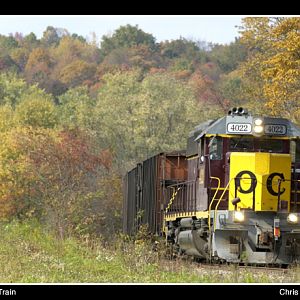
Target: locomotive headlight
{"x":258,"y":122}
{"x":238,"y":216}
{"x":292,"y":218}
{"x":258,"y":128}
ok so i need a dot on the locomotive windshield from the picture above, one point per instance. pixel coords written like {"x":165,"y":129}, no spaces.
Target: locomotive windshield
{"x":248,"y":144}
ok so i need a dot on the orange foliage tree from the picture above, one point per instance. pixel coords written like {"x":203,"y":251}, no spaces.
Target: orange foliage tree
{"x":56,"y":176}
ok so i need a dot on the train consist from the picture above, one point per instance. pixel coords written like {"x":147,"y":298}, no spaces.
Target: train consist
{"x":233,"y":195}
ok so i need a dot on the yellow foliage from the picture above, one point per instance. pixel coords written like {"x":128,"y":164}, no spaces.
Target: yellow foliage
{"x":273,"y":65}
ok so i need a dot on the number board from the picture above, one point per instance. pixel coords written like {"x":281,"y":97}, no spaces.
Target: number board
{"x":239,"y":128}
{"x":275,"y":129}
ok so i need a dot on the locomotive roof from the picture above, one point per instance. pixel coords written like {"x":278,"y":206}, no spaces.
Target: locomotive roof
{"x":220,"y":126}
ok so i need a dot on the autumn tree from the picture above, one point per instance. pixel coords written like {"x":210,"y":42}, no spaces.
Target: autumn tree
{"x":204,"y":84}
{"x":58,"y":177}
{"x":272,"y":68}
{"x":75,"y":63}
{"x":20,"y":57}
{"x":38,"y":67}
{"x":66,"y":170}
{"x":74,"y":118}
{"x":70,"y":49}
{"x":76,"y":73}
{"x":15,"y":175}
{"x":140,"y":56}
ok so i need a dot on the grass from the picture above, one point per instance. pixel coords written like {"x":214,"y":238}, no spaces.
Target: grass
{"x":28,"y":254}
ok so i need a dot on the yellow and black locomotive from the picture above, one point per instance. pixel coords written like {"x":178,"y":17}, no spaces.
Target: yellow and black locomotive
{"x":233,"y":195}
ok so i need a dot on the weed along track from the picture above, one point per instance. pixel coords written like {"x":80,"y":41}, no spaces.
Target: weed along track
{"x":34,"y":255}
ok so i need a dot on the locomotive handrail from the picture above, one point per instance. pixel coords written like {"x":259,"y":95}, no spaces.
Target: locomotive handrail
{"x":172,"y":199}
{"x":178,"y":186}
{"x":213,"y":199}
{"x":216,"y":208}
{"x":180,"y":183}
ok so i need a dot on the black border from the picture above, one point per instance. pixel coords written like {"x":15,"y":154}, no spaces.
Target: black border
{"x":212,"y":291}
{"x":153,"y":7}
{"x":171,"y":291}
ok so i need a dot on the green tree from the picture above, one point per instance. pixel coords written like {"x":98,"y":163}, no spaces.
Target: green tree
{"x":139,"y":118}
{"x":78,"y":37}
{"x":228,"y":57}
{"x":180,"y":48}
{"x":76,"y":109}
{"x":6,"y":118}
{"x":232,"y":88}
{"x":7,"y":43}
{"x":52,"y":36}
{"x":7,"y":64}
{"x":30,"y":41}
{"x":14,"y":89}
{"x":126,"y":37}
{"x":36,"y":110}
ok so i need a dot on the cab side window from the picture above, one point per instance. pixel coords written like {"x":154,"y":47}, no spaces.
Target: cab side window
{"x":201,"y":151}
{"x":216,"y":148}
{"x":295,"y":151}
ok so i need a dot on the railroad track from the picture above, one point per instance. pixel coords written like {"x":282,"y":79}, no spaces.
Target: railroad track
{"x":278,"y":269}
{"x":231,"y":266}
{"x":242,"y":273}
{"x":230,"y":272}
{"x":243,"y":267}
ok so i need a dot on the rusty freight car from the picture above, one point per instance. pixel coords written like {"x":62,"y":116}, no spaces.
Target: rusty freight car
{"x":145,"y":190}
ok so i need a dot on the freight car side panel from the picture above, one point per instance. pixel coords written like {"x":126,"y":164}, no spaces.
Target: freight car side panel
{"x":129,"y":212}
{"x":145,"y":190}
{"x":140,"y":197}
{"x":149,"y":193}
